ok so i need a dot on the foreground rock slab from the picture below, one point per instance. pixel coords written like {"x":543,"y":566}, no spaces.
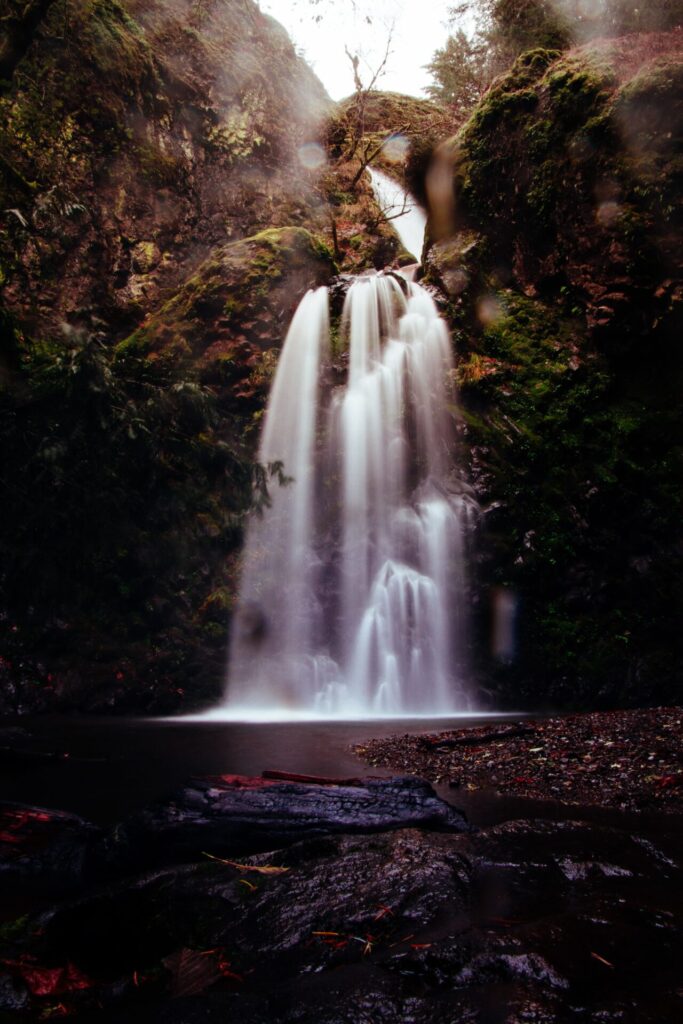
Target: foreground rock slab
{"x":233,"y":814}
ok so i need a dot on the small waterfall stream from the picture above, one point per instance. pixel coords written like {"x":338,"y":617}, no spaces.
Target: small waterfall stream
{"x":351,"y":602}
{"x":406,"y":216}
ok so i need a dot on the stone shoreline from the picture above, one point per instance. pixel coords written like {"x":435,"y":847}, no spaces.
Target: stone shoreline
{"x":630,"y":760}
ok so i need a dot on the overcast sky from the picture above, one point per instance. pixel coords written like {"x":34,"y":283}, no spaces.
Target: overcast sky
{"x":419,"y":28}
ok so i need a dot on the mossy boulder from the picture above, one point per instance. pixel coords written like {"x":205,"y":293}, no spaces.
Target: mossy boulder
{"x":570,"y":168}
{"x":230,"y":317}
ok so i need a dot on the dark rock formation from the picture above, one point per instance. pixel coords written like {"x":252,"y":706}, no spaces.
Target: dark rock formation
{"x":43,"y":851}
{"x":526,"y":920}
{"x":231,"y":815}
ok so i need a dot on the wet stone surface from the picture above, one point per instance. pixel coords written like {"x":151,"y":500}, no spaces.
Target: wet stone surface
{"x":236,"y":814}
{"x":523,"y":921}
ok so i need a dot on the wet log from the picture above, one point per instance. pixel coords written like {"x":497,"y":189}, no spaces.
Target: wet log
{"x":476,"y":740}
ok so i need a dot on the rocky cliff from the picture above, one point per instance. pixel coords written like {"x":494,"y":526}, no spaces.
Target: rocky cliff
{"x":156,"y":193}
{"x":134,"y":138}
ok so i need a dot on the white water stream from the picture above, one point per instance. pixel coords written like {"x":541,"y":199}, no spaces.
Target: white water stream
{"x":404,"y":213}
{"x":351,"y":602}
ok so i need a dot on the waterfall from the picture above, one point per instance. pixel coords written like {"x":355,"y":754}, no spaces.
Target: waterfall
{"x":405,"y":214}
{"x":353,"y":588}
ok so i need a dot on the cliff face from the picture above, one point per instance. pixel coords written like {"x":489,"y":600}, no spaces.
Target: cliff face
{"x":134,"y":138}
{"x":159,"y":228}
{"x":557,"y":241}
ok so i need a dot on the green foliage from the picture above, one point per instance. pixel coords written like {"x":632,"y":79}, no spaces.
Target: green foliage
{"x":107,"y":457}
{"x":42,"y":117}
{"x":162,"y":169}
{"x":464,"y":67}
{"x":516,"y":26}
{"x":460,"y":73}
{"x":126,"y":484}
{"x":581,"y":474}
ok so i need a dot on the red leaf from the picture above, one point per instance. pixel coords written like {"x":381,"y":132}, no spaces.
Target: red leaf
{"x":668,"y":780}
{"x":50,"y":981}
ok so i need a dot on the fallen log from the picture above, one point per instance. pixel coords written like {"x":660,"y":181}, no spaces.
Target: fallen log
{"x":318,"y":780}
{"x":471,"y":740}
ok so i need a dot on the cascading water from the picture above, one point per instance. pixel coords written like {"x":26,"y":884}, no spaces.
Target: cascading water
{"x":405,"y":214}
{"x":352,"y":593}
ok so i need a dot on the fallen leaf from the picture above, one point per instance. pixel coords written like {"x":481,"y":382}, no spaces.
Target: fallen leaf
{"x":261,"y":869}
{"x":596,"y":956}
{"x":192,"y":972}
{"x":49,"y":981}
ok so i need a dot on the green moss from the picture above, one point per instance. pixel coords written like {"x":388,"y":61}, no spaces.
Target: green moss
{"x":567,"y":454}
{"x":14,"y":931}
{"x":542,"y":194}
{"x":162,"y":169}
{"x":232,"y":286}
{"x":116,"y":45}
{"x":53,"y":98}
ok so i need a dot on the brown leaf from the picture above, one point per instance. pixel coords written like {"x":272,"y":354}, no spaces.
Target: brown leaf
{"x":596,"y":956}
{"x":192,"y":972}
{"x":261,"y":869}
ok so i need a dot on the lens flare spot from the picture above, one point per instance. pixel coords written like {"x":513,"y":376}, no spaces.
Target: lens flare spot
{"x":396,"y":148}
{"x":504,"y":614}
{"x":489,"y":310}
{"x":456,"y":281}
{"x":608,"y":213}
{"x":312,"y":156}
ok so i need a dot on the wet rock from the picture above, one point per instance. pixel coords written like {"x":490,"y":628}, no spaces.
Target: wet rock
{"x":12,"y":995}
{"x":401,"y":926}
{"x":231,"y":814}
{"x":35,"y":841}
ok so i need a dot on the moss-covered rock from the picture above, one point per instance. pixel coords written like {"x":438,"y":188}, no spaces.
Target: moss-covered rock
{"x":570,"y":166}
{"x":559,"y":252}
{"x":236,"y":307}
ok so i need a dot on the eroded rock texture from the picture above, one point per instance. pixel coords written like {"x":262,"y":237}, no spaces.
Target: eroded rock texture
{"x":525,"y":920}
